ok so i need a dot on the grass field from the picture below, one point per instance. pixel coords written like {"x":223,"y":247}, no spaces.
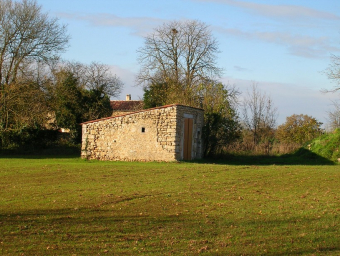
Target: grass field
{"x":68,"y":206}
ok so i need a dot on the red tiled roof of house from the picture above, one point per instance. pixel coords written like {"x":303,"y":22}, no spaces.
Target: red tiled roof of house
{"x":126,"y":105}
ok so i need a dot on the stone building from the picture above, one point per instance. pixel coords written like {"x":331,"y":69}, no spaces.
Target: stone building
{"x":167,"y":133}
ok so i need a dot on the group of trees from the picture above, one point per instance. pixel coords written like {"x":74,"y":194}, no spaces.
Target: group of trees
{"x":79,"y":92}
{"x":260,"y":133}
{"x":38,"y":91}
{"x":178,"y":65}
{"x":56,"y":97}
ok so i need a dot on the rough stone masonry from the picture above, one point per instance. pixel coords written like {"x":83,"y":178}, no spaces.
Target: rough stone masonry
{"x":167,"y":133}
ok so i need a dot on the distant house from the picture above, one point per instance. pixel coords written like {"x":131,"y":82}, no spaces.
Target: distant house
{"x":120,"y":107}
{"x":167,"y":133}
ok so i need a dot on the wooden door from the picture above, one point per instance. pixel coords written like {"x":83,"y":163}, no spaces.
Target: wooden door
{"x":188,"y":125}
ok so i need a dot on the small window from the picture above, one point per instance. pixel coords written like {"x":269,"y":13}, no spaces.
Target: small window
{"x":143,"y":129}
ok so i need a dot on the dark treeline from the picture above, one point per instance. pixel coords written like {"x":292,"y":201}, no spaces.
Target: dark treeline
{"x":40,"y":94}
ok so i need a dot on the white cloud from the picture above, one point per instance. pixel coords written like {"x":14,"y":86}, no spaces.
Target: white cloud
{"x":301,"y":30}
{"x":299,"y":45}
{"x":140,"y":26}
{"x":278,"y":11}
{"x":296,"y":44}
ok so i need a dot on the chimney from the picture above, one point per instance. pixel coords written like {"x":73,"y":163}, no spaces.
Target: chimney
{"x":128,"y":97}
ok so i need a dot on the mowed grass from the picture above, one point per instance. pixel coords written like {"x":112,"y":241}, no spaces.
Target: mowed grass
{"x":69,"y":206}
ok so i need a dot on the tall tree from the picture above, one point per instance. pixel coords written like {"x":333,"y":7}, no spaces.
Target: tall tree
{"x":66,"y":100}
{"x":333,"y":73}
{"x":180,"y":55}
{"x":221,"y":119}
{"x":27,"y":36}
{"x":259,"y":114}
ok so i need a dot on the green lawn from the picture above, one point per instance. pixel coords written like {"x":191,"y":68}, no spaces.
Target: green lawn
{"x":68,"y":206}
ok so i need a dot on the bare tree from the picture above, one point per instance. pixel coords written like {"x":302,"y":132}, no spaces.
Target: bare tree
{"x":334,"y":116}
{"x":333,"y":72}
{"x":259,"y":113}
{"x":180,"y":55}
{"x":96,"y":76}
{"x":27,"y":36}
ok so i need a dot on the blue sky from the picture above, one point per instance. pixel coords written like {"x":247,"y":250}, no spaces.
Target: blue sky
{"x":283,"y":46}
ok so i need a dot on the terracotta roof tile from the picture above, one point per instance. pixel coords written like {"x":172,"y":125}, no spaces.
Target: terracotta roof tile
{"x":126,"y":105}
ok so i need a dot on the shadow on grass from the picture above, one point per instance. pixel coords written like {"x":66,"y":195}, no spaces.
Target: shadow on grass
{"x":100,"y":228}
{"x":52,"y":152}
{"x":300,"y":157}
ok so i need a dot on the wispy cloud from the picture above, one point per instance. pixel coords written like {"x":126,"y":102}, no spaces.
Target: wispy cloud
{"x":278,"y":11}
{"x":299,"y":45}
{"x":296,"y":44}
{"x":140,"y":26}
{"x":303,"y":44}
{"x":241,"y":69}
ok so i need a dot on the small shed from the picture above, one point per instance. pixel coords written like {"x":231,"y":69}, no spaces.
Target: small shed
{"x":167,"y":133}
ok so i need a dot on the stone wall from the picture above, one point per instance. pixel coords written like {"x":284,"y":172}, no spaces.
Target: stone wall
{"x":120,"y":113}
{"x":148,"y":135}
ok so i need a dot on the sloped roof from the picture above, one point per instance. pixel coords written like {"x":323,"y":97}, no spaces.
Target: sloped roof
{"x":142,"y":110}
{"x":126,"y":105}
